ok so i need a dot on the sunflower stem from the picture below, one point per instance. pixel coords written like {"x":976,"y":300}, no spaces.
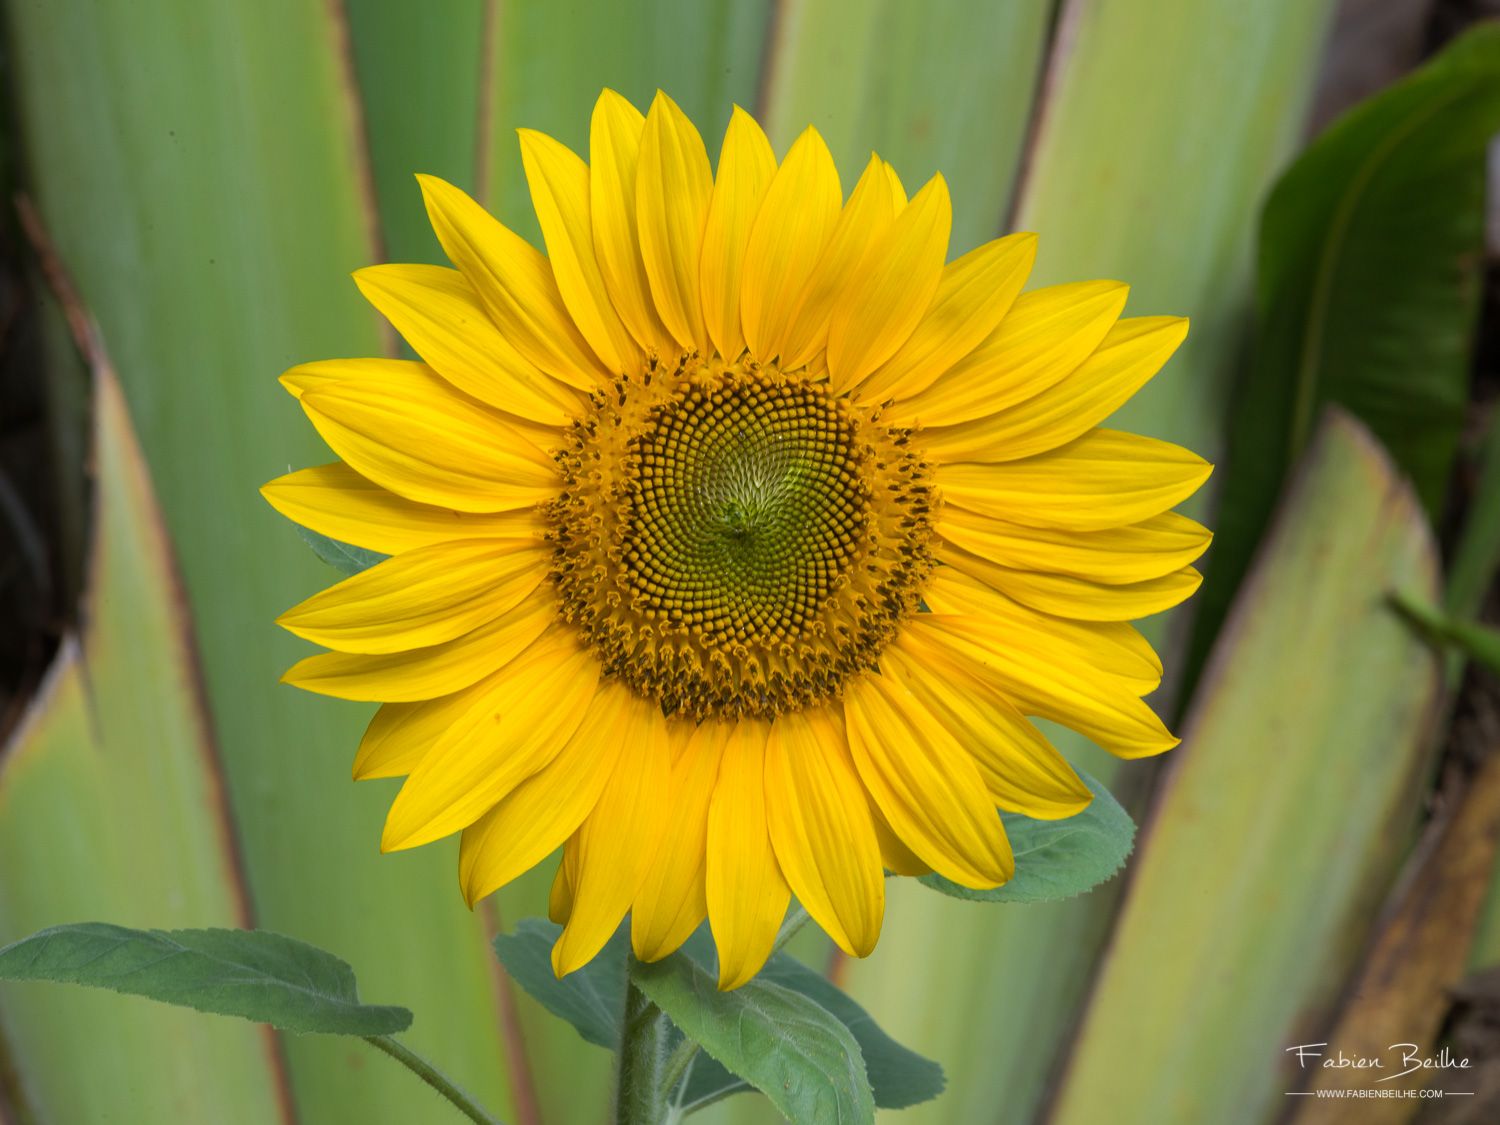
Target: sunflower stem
{"x":433,"y":1077}
{"x":640,"y":1094}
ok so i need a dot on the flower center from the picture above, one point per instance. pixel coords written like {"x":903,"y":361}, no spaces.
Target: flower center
{"x":735,"y":541}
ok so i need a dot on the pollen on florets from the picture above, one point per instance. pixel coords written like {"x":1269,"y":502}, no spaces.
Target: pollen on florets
{"x":735,"y":541}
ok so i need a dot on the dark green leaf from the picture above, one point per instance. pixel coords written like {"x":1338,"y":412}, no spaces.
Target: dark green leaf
{"x":1370,"y":252}
{"x":1058,"y":859}
{"x":781,"y":1042}
{"x":591,"y":999}
{"x":249,"y":973}
{"x":343,"y":557}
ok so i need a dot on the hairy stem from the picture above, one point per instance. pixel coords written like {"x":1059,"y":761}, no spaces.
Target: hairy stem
{"x":433,"y":1077}
{"x":640,"y":1096}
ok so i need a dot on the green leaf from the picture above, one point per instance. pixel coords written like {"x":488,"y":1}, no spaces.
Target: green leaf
{"x":1371,"y":248}
{"x":343,"y":557}
{"x":784,"y":1044}
{"x":1057,"y":859}
{"x":248,"y":973}
{"x":899,"y":1077}
{"x":592,"y":999}
{"x":1284,"y":820}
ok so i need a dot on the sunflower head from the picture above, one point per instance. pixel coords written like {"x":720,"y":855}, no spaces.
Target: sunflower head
{"x":737,"y":539}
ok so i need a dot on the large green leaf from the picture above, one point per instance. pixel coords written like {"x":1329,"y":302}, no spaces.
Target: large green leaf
{"x":253,"y":974}
{"x":1279,"y":828}
{"x":1371,"y":249}
{"x":1148,"y":162}
{"x":111,"y":806}
{"x":201,"y":179}
{"x":783,"y":1043}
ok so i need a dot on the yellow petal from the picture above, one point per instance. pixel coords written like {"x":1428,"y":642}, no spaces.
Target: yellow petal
{"x":440,"y":316}
{"x":792,"y":227}
{"x":1022,"y":771}
{"x":515,"y":282}
{"x":541,"y":813}
{"x":976,"y":292}
{"x":894,"y":853}
{"x":427,"y":673}
{"x":614,"y":155}
{"x":747,"y":893}
{"x":326,"y":372}
{"x":1098,"y":706}
{"x":422,"y":597}
{"x":880,"y":307}
{"x":819,"y":818}
{"x":1113,"y":647}
{"x":898,"y":192}
{"x":925,"y":784}
{"x":1104,"y":479}
{"x":617,"y":843}
{"x":865,"y":219}
{"x":746,"y":165}
{"x":559,"y":183}
{"x":1133,"y":351}
{"x":1065,"y":596}
{"x":672,"y":900}
{"x":520,"y":718}
{"x":673,"y":190}
{"x":560,"y":899}
{"x":400,"y":734}
{"x":336,"y":501}
{"x":1116,"y":556}
{"x":1046,"y":334}
{"x":422,"y":440}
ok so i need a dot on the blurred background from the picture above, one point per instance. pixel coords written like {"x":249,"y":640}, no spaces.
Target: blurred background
{"x":186,"y":188}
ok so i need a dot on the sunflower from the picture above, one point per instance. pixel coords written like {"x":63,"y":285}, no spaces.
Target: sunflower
{"x":736,"y":541}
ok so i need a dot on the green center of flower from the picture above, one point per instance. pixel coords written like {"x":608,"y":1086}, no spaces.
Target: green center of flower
{"x":735,"y":541}
{"x":745,"y":509}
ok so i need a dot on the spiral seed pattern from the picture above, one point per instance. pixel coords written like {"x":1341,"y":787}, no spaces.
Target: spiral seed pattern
{"x":734,"y":541}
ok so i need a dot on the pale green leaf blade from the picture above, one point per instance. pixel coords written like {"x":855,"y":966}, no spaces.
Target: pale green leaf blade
{"x":784,"y":1044}
{"x":115,"y":734}
{"x":209,"y":201}
{"x":1058,"y":859}
{"x":1280,"y":828}
{"x":419,"y":68}
{"x":944,"y":86}
{"x":252,"y":974}
{"x":549,"y":63}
